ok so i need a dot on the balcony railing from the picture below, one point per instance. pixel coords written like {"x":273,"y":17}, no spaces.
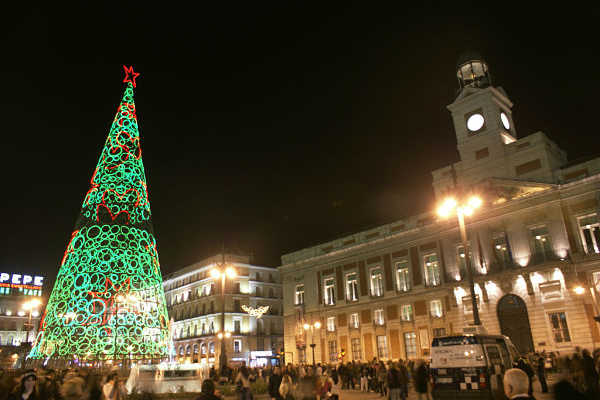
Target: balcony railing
{"x":542,"y":257}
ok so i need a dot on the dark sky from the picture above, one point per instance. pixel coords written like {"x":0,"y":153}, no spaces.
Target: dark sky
{"x":269,"y":126}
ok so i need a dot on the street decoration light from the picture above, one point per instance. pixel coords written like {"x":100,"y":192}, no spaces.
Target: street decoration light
{"x":311,"y":328}
{"x":255,"y":312}
{"x":31,"y":306}
{"x":223,"y":272}
{"x":462,"y":208}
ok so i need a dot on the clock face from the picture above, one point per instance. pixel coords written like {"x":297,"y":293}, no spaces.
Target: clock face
{"x":505,"y":121}
{"x":475,"y":122}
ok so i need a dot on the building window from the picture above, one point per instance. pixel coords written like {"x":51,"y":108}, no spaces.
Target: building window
{"x":439,"y":332}
{"x":378,"y":317}
{"x":382,"y":350}
{"x":354,"y":321}
{"x":332,"y":350}
{"x":329,"y":291}
{"x":560,"y":328}
{"x":203,"y":348}
{"x":203,"y":328}
{"x":542,"y":246}
{"x":352,"y":287}
{"x":410,"y":344}
{"x":376,"y":282}
{"x":468,"y":303}
{"x":237,"y":346}
{"x":435,"y":308}
{"x":196,"y":348}
{"x":211,"y":328}
{"x":596,"y":281}
{"x":424,"y":338}
{"x":590,"y":233}
{"x":356,"y":350}
{"x":502,"y":251}
{"x":236,"y":306}
{"x":432,"y":270}
{"x":211,"y":347}
{"x":331,"y":324}
{"x":299,"y":295}
{"x":406,"y":312}
{"x":462,"y":261}
{"x":237,"y":325}
{"x":402,"y":277}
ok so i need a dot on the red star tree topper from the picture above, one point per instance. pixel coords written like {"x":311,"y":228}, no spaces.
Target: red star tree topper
{"x":130,"y":75}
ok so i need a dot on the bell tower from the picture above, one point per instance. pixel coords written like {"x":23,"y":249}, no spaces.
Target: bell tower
{"x":481,"y":113}
{"x":486,"y":137}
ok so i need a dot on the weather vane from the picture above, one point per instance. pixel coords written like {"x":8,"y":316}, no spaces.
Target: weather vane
{"x":255,"y":312}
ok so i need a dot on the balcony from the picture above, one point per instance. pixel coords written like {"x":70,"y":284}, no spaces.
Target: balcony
{"x":543,"y":257}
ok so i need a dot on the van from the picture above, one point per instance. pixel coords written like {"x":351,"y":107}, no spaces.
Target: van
{"x":471,"y":366}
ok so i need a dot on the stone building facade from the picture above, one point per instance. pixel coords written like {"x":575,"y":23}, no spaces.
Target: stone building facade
{"x":534,"y":247}
{"x":195,"y":305}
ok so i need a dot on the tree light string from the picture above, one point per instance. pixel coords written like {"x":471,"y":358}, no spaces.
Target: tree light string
{"x":108,"y":300}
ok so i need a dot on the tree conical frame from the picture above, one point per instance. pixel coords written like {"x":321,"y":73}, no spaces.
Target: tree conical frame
{"x":108,"y":301}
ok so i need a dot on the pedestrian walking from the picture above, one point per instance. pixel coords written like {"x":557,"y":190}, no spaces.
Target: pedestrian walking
{"x":274,"y":384}
{"x":243,"y":382}
{"x":541,"y":373}
{"x":421,"y":379}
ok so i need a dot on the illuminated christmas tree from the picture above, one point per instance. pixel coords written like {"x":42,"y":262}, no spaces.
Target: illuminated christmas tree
{"x":108,"y":301}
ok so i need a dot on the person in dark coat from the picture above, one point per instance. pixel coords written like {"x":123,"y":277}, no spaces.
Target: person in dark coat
{"x":541,"y":373}
{"x":274,"y":383}
{"x":590,"y":375}
{"x":208,"y":391}
{"x":421,"y":380}
{"x":26,"y":389}
{"x":524,"y":366}
{"x":403,"y":371}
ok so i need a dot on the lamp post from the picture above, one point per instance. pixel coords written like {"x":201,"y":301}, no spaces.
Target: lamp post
{"x":30,"y":305}
{"x":307,"y":327}
{"x":223,"y":272}
{"x":466,"y":208}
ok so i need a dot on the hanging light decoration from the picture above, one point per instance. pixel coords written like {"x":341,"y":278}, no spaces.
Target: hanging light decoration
{"x":255,"y":312}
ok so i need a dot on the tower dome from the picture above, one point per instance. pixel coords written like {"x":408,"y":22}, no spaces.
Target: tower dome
{"x":472,"y":71}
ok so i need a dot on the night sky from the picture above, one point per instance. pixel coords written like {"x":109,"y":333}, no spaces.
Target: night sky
{"x":267,"y":126}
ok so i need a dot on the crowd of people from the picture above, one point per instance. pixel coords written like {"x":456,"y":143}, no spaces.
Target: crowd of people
{"x":575,"y":377}
{"x":67,"y":384}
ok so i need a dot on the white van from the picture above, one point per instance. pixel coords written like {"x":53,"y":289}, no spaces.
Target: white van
{"x":471,"y":366}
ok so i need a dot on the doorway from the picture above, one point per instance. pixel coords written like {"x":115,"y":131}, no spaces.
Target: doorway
{"x":514,"y":322}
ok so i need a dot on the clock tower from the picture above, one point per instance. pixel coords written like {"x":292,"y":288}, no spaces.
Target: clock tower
{"x":486,"y":136}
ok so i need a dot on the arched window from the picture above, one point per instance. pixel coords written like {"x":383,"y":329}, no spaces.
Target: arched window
{"x":203,"y":348}
{"x":188,"y":350}
{"x":211,"y":347}
{"x":196,"y":348}
{"x":180,"y":350}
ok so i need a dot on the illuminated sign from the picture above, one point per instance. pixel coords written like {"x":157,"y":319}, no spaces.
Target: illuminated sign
{"x":21,"y":281}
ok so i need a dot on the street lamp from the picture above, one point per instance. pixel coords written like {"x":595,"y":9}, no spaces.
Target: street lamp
{"x":223,"y":273}
{"x":30,"y":306}
{"x":307,"y":327}
{"x":465,"y":208}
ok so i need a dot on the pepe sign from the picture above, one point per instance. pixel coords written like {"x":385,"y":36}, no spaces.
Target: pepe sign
{"x":21,"y":280}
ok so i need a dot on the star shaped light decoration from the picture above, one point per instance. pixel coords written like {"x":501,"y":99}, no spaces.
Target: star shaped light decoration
{"x":255,"y":312}
{"x":128,"y":77}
